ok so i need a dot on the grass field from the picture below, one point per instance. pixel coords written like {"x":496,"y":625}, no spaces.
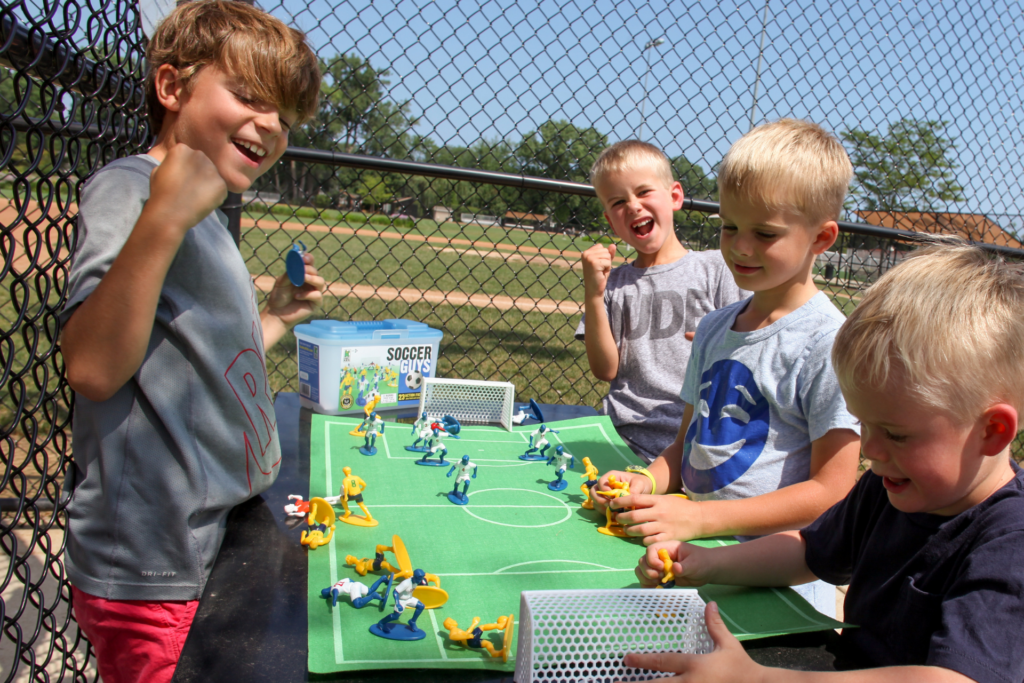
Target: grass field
{"x":515,"y":534}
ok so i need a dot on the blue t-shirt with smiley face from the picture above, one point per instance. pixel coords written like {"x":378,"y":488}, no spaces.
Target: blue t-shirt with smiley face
{"x":760,"y":398}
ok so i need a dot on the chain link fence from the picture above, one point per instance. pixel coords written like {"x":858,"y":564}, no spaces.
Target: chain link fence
{"x":444,"y":181}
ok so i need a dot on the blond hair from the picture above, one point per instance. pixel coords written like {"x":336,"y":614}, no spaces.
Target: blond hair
{"x":630,"y":155}
{"x":947,"y":324}
{"x":789,"y":164}
{"x":272,"y":60}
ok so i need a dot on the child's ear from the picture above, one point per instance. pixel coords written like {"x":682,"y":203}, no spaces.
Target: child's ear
{"x":677,"y":196}
{"x":1000,"y":428}
{"x":168,"y":87}
{"x":825,"y":237}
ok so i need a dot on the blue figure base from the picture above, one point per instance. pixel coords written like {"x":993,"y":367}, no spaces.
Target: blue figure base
{"x":458,"y":498}
{"x":532,"y":457}
{"x":558,"y":485}
{"x":416,"y":449}
{"x":398,"y":632}
{"x":537,"y":415}
{"x":432,"y":463}
{"x":368,"y":451}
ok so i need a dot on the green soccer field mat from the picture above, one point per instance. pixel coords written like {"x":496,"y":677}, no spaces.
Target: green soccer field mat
{"x":514,"y":535}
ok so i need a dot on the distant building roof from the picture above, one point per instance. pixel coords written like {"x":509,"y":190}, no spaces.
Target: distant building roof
{"x":970,"y":226}
{"x":516,"y":215}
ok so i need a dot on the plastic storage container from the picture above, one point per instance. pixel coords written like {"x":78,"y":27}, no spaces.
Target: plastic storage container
{"x":345,"y":365}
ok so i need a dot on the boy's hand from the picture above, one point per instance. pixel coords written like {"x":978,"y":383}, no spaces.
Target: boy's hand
{"x":185,"y":188}
{"x":597,"y":264}
{"x":637,"y":483}
{"x":727,"y":662}
{"x":660,"y":518}
{"x":689,"y":564}
{"x":293,"y":304}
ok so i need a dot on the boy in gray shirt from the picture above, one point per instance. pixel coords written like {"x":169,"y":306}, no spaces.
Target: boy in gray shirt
{"x":766,"y":443}
{"x":640,"y":317}
{"x":163,"y":337}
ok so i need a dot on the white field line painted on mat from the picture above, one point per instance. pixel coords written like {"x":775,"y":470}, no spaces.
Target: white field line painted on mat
{"x":339,"y":653}
{"x":437,"y":634}
{"x":568,"y":510}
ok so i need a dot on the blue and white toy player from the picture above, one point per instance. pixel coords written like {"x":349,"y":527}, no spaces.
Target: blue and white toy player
{"x":421,"y":422}
{"x":358,"y":594}
{"x":561,"y":459}
{"x":426,"y":431}
{"x":385,"y":628}
{"x":435,"y":447}
{"x":374,"y":427}
{"x":464,"y":467}
{"x":540,"y":445}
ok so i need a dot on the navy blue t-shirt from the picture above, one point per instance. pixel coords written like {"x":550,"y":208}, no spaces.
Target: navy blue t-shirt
{"x":927,"y":589}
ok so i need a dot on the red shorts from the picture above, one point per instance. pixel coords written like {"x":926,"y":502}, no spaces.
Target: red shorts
{"x":136,"y":641}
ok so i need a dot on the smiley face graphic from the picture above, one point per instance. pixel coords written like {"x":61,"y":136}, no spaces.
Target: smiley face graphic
{"x":729,"y":430}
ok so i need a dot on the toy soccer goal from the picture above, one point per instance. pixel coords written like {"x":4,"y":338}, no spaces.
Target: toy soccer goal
{"x":468,"y":400}
{"x":581,"y":636}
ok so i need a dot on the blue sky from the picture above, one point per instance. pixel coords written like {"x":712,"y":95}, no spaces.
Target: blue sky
{"x":497,"y":69}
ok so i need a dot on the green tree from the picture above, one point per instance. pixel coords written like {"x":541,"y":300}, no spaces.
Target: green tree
{"x":562,"y":151}
{"x":910,"y":168}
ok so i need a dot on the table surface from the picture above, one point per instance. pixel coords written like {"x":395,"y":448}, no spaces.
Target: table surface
{"x":252,"y":620}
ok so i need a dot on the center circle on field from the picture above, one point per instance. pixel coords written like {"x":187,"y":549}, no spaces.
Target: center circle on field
{"x":484,"y":514}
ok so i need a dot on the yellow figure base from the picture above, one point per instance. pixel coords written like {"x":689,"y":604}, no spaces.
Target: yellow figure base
{"x":358,"y":520}
{"x":587,"y":504}
{"x":614,"y":530}
{"x":356,"y":432}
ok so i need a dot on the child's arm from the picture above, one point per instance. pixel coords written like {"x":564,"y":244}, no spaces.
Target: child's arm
{"x":729,"y":662}
{"x":776,"y":560}
{"x":288,"y":304}
{"x":602,"y":353}
{"x":105,"y":340}
{"x":664,"y":469}
{"x":834,"y":459}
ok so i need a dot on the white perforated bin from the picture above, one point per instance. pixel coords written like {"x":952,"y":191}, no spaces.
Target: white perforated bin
{"x":581,"y":636}
{"x":468,"y":400}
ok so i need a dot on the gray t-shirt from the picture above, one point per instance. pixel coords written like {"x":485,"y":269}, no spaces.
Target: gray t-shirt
{"x":760,"y":398}
{"x":193,"y":433}
{"x":649,"y":310}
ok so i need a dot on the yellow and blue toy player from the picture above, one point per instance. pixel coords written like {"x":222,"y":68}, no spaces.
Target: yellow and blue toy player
{"x":374,"y":427}
{"x":385,"y":628}
{"x":358,"y":594}
{"x":541,"y":444}
{"x":435,"y":447}
{"x":561,"y":460}
{"x":464,"y":467}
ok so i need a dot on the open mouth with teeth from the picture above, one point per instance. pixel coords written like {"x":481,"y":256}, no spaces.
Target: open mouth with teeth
{"x":643,"y":228}
{"x":250,"y":150}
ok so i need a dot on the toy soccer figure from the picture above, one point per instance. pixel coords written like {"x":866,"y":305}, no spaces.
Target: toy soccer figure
{"x":422,"y":421}
{"x":357,"y":593}
{"x":374,"y":427}
{"x":464,"y":467}
{"x":618,"y":489}
{"x":561,"y":459}
{"x":352,"y":488}
{"x":435,"y":447}
{"x":300,"y":508}
{"x":426,"y":431}
{"x":362,"y":383}
{"x":376,"y":564}
{"x":386,"y":628}
{"x":668,"y":577}
{"x":473,"y":636}
{"x":540,"y":445}
{"x":587,"y":486}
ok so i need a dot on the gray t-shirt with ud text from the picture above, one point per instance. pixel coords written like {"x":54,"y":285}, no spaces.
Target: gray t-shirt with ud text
{"x":650,"y":309}
{"x":193,"y":433}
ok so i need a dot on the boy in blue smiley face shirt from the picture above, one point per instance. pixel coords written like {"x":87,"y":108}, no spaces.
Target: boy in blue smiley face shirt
{"x":931,"y":540}
{"x":766,"y":443}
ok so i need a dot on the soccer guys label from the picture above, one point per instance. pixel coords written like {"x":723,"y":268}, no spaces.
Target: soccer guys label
{"x":394,"y":372}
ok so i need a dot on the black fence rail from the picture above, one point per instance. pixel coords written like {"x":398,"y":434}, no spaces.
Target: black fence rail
{"x":445,"y":180}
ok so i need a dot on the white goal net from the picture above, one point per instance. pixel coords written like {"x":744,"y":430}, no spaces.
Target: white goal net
{"x":468,"y":400}
{"x":581,"y":636}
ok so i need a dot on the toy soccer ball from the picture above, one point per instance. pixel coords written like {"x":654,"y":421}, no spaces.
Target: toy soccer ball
{"x":413,"y":380}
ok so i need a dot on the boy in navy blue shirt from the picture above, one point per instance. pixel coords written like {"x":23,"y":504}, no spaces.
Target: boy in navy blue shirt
{"x":931,"y":540}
